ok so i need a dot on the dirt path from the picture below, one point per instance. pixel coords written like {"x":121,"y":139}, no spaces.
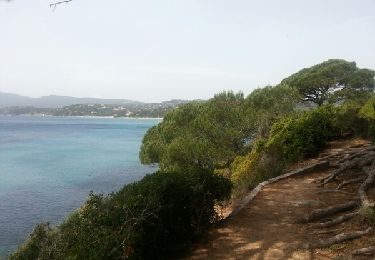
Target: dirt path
{"x":267,"y":227}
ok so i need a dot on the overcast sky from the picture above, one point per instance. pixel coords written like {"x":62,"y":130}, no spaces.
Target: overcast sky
{"x":150,"y":50}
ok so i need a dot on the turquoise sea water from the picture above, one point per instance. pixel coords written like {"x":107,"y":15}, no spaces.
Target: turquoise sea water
{"x":48,"y":166}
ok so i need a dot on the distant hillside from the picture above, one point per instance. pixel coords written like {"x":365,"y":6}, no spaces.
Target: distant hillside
{"x":11,"y":104}
{"x":53,"y":101}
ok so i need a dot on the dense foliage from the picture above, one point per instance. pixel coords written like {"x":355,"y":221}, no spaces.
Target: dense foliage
{"x":204,"y":135}
{"x":211,"y":134}
{"x":290,"y":138}
{"x":150,"y":219}
{"x":367,"y":112}
{"x":303,"y":135}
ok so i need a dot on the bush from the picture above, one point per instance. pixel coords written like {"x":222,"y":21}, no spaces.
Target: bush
{"x":180,"y":207}
{"x":290,"y":138}
{"x":34,"y":248}
{"x":347,"y":121}
{"x":302,"y":136}
{"x":243,"y":172}
{"x":153,"y":218}
{"x":367,"y":113}
{"x":249,"y":170}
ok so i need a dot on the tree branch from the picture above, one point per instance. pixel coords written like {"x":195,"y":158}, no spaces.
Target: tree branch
{"x":58,"y":3}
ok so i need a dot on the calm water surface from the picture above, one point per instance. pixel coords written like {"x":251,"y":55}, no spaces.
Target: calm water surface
{"x":48,"y":166}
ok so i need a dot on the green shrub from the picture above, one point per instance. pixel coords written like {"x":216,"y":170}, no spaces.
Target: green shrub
{"x":181,"y":207}
{"x":34,"y":247}
{"x":153,"y":219}
{"x":347,"y":121}
{"x":290,"y":138}
{"x":249,"y":170}
{"x":367,"y":113}
{"x":243,"y":171}
{"x":302,"y":136}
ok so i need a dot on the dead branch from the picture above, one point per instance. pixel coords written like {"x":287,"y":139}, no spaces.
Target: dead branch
{"x":369,"y":159}
{"x":365,"y":251}
{"x":345,"y":166}
{"x":334,"y":191}
{"x":355,"y":180}
{"x":329,"y":231}
{"x":366,"y":185}
{"x":356,"y":162}
{"x":335,"y":221}
{"x":322,"y":213}
{"x":360,"y":153}
{"x":336,"y":239}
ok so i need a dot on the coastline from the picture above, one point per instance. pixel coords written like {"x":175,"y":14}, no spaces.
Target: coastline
{"x":93,"y":117}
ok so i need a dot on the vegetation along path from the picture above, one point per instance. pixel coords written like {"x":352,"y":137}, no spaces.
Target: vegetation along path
{"x":311,"y":216}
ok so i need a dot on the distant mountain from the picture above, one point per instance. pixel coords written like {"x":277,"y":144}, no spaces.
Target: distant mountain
{"x":12,"y":104}
{"x":53,"y":101}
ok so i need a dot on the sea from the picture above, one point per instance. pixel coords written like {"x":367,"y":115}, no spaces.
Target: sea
{"x":49,"y":165}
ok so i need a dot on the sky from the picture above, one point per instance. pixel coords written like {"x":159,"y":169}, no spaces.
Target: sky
{"x":152,"y":51}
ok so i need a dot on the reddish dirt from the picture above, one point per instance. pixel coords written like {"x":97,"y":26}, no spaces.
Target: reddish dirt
{"x":267,"y":227}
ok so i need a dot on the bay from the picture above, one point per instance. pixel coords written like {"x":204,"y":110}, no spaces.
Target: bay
{"x":49,"y":165}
